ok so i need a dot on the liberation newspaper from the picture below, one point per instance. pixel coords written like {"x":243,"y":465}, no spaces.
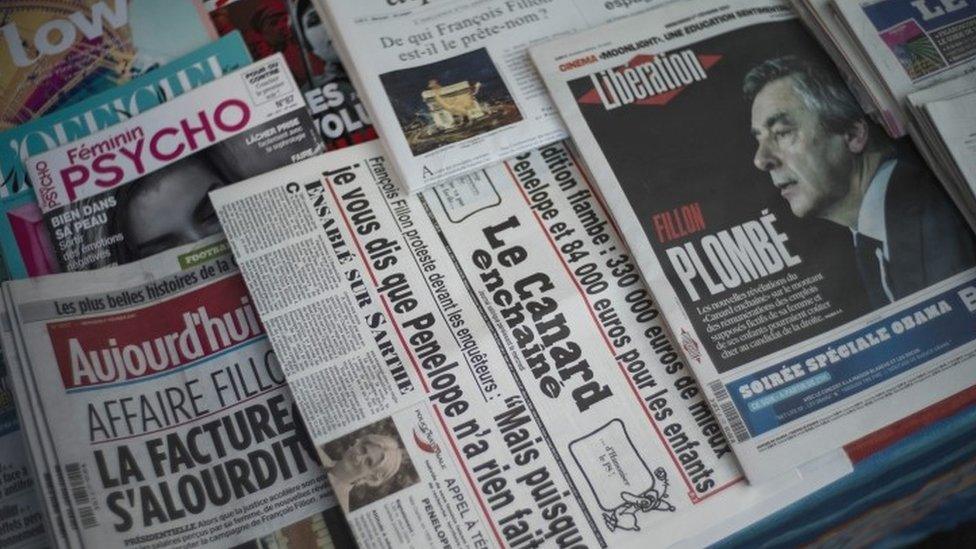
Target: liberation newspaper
{"x":819,"y":279}
{"x":154,"y":408}
{"x":449,"y":84}
{"x":480,"y":365}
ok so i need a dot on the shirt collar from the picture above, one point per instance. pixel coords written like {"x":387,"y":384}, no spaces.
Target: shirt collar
{"x":871,"y":216}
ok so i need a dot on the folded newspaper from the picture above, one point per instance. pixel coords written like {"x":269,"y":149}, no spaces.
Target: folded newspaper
{"x":155,"y":410}
{"x":945,"y":116}
{"x":140,"y":186}
{"x":294,"y":28}
{"x":819,"y":279}
{"x":22,"y":518}
{"x":910,"y":44}
{"x":480,"y":364}
{"x":449,"y":85}
{"x":57,"y":52}
{"x":26,"y":245}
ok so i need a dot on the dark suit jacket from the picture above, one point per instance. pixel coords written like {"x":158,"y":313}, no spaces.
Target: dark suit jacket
{"x":928,"y":239}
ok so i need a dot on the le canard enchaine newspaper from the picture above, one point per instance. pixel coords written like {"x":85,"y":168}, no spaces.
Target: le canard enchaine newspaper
{"x":155,"y":410}
{"x":819,"y":279}
{"x":480,"y":365}
{"x":140,"y":187}
{"x":449,"y":84}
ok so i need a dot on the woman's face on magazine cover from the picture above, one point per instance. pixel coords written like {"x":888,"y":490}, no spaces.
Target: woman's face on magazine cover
{"x":318,"y":39}
{"x":171,"y":208}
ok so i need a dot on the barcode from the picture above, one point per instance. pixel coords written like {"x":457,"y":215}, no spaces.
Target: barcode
{"x":53,"y":497}
{"x":727,"y":407}
{"x":79,"y":492}
{"x":72,"y":522}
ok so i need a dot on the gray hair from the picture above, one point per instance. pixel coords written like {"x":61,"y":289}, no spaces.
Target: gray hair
{"x":821,"y":90}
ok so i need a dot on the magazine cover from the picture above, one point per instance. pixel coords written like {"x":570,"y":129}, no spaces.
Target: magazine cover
{"x":58,"y":52}
{"x":814,"y":269}
{"x":140,"y":187}
{"x":294,"y":28}
{"x":26,"y":245}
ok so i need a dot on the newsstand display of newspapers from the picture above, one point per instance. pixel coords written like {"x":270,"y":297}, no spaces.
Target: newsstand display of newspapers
{"x":821,"y":281}
{"x":486,"y":273}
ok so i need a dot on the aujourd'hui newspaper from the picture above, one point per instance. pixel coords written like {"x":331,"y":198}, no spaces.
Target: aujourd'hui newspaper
{"x":480,"y":365}
{"x":155,"y":411}
{"x":818,"y":278}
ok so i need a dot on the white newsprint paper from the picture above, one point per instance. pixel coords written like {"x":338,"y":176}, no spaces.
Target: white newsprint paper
{"x":820,"y":281}
{"x":480,"y":364}
{"x":946,"y":122}
{"x":155,"y":411}
{"x":449,"y":84}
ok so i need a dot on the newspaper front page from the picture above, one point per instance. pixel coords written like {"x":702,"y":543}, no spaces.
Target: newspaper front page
{"x":155,"y":408}
{"x":480,"y":365}
{"x":449,"y":84}
{"x":817,"y":276}
{"x":140,"y":187}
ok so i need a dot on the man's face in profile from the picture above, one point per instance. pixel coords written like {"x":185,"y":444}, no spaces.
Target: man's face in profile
{"x":811,"y":167}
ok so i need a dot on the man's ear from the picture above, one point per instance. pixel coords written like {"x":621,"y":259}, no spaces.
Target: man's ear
{"x":857,"y":136}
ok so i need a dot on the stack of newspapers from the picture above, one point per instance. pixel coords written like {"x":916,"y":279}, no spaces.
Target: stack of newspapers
{"x":945,"y":119}
{"x":561,"y":301}
{"x":890,"y":48}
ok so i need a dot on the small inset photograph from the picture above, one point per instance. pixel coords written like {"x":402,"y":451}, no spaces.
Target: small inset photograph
{"x":368,"y":464}
{"x":914,"y":49}
{"x":450,"y":100}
